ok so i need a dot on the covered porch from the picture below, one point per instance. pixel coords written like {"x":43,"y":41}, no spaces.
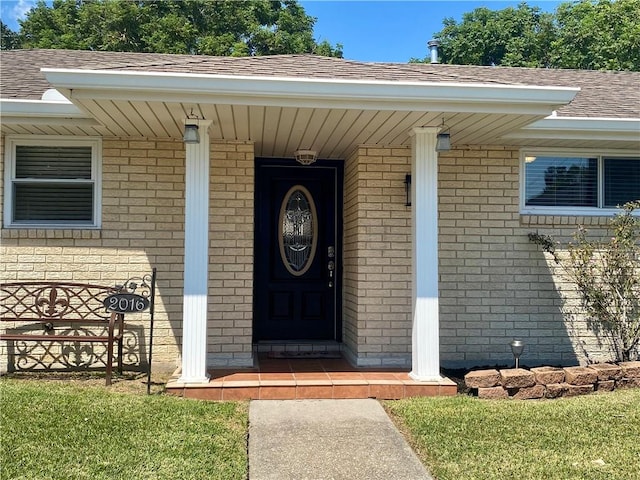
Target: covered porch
{"x":337,"y":118}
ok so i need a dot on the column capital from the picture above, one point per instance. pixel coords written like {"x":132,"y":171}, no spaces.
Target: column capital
{"x":424,"y":131}
{"x":201,"y":122}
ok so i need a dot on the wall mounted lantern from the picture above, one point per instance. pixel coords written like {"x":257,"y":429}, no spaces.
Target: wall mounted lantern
{"x":443,"y":140}
{"x":407,"y":188}
{"x":191,"y":133}
{"x":305,"y":157}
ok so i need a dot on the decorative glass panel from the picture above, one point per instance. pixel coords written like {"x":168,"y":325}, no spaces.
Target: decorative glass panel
{"x":298,"y":230}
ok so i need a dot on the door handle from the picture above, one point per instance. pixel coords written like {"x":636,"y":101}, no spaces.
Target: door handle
{"x":331,"y":266}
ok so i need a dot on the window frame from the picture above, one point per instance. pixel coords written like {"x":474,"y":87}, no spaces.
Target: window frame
{"x":50,"y":141}
{"x":599,"y":155}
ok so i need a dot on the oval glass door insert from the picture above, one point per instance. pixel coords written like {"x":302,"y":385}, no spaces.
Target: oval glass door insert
{"x":298,"y":230}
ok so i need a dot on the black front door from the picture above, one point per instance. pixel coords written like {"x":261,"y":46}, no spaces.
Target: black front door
{"x":297,"y":250}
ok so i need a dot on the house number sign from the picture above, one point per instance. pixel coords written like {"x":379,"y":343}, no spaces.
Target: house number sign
{"x":126,"y":303}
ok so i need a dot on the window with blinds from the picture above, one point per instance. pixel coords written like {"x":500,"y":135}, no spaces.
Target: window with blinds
{"x":621,"y":181}
{"x":558,"y":181}
{"x":53,"y":184}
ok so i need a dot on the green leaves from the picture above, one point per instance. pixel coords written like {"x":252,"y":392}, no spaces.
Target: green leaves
{"x":512,"y":37}
{"x":238,"y":28}
{"x":586,"y":34}
{"x":606,"y":276}
{"x":598,"y":35}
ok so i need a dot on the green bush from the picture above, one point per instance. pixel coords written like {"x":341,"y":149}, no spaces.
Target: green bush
{"x":606,"y":275}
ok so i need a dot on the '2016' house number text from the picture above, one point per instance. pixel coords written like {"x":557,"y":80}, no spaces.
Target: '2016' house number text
{"x":126,"y":303}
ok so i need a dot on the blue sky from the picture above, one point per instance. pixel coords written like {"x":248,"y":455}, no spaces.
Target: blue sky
{"x":369,"y":30}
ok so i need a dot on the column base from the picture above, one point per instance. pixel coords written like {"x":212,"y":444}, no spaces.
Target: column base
{"x":191,"y":380}
{"x":425,"y":378}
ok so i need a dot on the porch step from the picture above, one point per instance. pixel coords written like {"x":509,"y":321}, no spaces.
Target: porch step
{"x":297,"y":379}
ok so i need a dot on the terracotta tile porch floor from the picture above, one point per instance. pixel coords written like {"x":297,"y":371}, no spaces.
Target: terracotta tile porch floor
{"x":290,"y":379}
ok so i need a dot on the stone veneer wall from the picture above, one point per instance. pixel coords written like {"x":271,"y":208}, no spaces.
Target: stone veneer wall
{"x":142,"y":227}
{"x":377,"y":257}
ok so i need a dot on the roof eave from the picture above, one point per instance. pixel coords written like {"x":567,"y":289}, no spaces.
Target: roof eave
{"x":309,"y":92}
{"x":16,"y":111}
{"x":581,"y":128}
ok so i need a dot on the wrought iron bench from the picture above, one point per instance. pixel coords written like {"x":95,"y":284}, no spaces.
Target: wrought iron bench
{"x":64,"y":314}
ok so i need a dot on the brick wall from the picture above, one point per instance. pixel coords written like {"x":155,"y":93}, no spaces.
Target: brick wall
{"x":377,"y":257}
{"x":494,"y":284}
{"x":231,"y":246}
{"x":142,"y":227}
{"x":142,"y":218}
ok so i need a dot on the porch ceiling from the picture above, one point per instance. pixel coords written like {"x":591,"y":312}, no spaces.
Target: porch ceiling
{"x":332,"y":132}
{"x":279,"y":131}
{"x":281,"y":115}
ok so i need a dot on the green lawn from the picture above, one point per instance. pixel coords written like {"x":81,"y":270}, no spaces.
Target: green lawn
{"x":61,"y":430}
{"x":590,"y":437}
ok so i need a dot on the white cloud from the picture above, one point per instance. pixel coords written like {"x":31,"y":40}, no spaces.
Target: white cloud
{"x":22,"y":7}
{"x":14,"y":10}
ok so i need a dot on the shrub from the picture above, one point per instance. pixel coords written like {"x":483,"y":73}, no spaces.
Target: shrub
{"x":606,"y":276}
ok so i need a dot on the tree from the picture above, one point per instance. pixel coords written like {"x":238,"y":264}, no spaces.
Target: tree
{"x":238,"y":28}
{"x":606,"y":276}
{"x":587,"y":34}
{"x":513,"y":36}
{"x":602,"y":35}
{"x":8,"y":38}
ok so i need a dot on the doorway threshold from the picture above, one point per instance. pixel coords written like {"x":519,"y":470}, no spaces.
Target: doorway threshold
{"x":300,"y":347}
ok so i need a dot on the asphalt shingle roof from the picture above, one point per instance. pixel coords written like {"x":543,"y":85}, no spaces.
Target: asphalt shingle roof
{"x":604,"y":94}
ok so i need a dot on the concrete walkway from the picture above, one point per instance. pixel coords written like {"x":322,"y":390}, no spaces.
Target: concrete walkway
{"x":327,"y":440}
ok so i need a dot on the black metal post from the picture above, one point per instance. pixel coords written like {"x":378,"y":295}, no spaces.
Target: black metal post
{"x":151,"y":312}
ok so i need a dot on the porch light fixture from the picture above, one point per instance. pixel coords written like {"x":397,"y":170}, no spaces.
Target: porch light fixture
{"x":305,"y":157}
{"x":407,"y":188}
{"x":191,"y":129}
{"x":443,"y":140}
{"x":517,"y":346}
{"x":191,"y":133}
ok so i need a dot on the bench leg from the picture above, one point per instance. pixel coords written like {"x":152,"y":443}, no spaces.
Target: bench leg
{"x":109,"y":362}
{"x":120,"y":345}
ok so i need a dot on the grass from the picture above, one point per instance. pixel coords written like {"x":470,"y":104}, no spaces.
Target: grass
{"x":62,"y":430}
{"x":587,"y":438}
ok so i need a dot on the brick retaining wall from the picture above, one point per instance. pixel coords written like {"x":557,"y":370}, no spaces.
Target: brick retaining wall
{"x":553,"y":382}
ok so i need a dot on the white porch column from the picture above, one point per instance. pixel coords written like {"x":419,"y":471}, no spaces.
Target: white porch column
{"x":196,"y":259}
{"x":425,"y":357}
